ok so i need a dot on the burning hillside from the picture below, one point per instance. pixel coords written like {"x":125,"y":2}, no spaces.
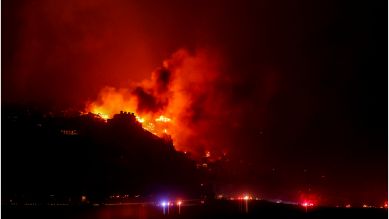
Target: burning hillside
{"x":179,"y":99}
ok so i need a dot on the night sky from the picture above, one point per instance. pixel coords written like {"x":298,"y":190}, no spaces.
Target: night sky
{"x":300,"y":89}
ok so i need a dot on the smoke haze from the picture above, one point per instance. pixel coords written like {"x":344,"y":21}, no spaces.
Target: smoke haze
{"x":281,"y":85}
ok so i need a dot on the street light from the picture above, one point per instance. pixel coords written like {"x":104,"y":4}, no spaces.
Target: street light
{"x":246,"y":199}
{"x":163,"y":204}
{"x":179,"y":206}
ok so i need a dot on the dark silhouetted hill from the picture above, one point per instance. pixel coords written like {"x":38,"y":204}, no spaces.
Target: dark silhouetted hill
{"x":68,"y":153}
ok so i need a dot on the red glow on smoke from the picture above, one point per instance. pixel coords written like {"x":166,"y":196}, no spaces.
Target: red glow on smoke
{"x":177,"y":100}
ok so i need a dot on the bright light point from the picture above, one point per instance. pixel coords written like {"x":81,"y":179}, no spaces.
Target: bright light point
{"x":103,"y":116}
{"x":162,"y":119}
{"x":307,"y":204}
{"x":163,"y":204}
{"x":179,"y":202}
{"x":246,"y":197}
{"x":139,"y":119}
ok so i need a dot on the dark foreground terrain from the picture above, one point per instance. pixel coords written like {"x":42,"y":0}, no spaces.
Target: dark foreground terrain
{"x":215,"y":210}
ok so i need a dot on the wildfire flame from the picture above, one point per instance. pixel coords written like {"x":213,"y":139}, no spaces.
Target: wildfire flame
{"x":162,"y":119}
{"x":164,"y":103}
{"x":158,"y":126}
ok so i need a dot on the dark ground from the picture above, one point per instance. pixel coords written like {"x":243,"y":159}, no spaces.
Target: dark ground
{"x":215,"y":210}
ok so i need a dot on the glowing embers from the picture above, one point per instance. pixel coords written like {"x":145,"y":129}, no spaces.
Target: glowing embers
{"x":162,"y":118}
{"x":140,"y":119}
{"x":159,"y":126}
{"x":102,"y":115}
{"x":148,"y":126}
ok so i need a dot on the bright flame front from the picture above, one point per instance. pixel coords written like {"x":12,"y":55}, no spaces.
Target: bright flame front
{"x":158,"y":125}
